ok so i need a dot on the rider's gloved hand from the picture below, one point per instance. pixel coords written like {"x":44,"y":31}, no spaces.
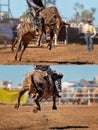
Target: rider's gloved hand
{"x":41,"y":8}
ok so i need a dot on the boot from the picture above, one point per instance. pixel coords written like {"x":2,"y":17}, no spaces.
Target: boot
{"x":56,"y":92}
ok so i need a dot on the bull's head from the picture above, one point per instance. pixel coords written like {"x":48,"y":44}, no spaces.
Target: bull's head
{"x":58,"y":25}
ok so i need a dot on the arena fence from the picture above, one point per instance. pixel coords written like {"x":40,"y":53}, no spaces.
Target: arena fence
{"x":75,"y":96}
{"x":68,"y":96}
{"x":74,"y":35}
{"x":8,"y":30}
{"x":71,"y":97}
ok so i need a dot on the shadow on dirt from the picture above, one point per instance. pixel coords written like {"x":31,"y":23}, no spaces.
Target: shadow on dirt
{"x":61,"y":63}
{"x":76,"y":63}
{"x":69,"y":127}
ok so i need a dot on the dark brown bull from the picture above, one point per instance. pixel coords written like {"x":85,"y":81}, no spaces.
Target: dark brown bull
{"x":52,"y":25}
{"x":36,"y":83}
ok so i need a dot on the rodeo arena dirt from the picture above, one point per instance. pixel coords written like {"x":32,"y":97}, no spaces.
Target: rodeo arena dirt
{"x":71,"y":117}
{"x":60,"y":54}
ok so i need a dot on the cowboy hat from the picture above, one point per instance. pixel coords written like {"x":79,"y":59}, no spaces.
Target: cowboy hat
{"x":89,"y":20}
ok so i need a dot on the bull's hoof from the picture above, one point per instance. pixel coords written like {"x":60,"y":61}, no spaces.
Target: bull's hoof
{"x":16,"y":106}
{"x":49,"y":47}
{"x":35,"y":110}
{"x":54,"y":108}
{"x":38,"y":45}
{"x":12,"y":49}
{"x":19,"y":59}
{"x":15,"y":58}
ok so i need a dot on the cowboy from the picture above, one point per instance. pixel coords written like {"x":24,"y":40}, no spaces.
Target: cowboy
{"x":90,"y":32}
{"x":37,"y":6}
{"x":50,"y":72}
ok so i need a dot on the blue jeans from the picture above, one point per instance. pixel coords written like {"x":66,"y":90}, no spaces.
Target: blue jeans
{"x":89,"y":41}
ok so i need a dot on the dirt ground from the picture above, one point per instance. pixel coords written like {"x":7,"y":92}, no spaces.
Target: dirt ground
{"x":67,"y":117}
{"x":60,"y":54}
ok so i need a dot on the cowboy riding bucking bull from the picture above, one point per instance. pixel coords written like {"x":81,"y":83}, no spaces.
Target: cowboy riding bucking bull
{"x":35,"y":7}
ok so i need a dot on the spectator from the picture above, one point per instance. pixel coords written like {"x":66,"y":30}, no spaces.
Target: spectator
{"x":90,"y":32}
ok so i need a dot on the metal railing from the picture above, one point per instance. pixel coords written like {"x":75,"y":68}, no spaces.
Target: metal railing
{"x":75,"y":96}
{"x":7,"y":7}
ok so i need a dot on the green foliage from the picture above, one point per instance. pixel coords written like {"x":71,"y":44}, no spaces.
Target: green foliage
{"x":81,"y":13}
{"x":5,"y":15}
{"x":53,"y":2}
{"x":47,"y":2}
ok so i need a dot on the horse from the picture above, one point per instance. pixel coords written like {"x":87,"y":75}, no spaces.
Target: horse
{"x":52,"y":25}
{"x":35,"y":83}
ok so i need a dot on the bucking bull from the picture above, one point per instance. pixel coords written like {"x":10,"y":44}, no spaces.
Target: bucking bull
{"x":35,"y":83}
{"x":26,"y":32}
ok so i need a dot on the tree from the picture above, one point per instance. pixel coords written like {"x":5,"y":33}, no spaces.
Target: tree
{"x":4,"y":15}
{"x":81,"y":13}
{"x":47,"y":2}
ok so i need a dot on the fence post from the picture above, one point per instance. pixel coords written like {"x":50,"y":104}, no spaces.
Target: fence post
{"x":5,"y":44}
{"x":55,"y":39}
{"x":66,"y":40}
{"x":89,"y":102}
